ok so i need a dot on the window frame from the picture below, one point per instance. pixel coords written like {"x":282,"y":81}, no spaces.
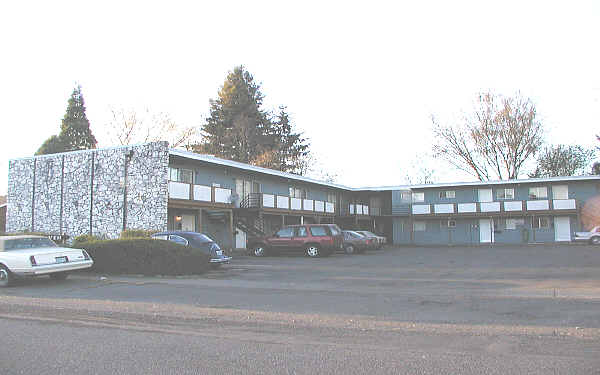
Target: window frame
{"x":445,"y":194}
{"x":171,"y":236}
{"x":418,"y":194}
{"x":504,"y":195}
{"x":292,"y":229}
{"x":536,"y":222}
{"x":415,"y":229}
{"x":536,"y":190}
{"x":452,"y":221}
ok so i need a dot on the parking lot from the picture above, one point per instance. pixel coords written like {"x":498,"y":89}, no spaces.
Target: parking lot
{"x":539,"y":305}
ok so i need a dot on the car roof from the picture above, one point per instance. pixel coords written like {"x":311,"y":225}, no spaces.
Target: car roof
{"x":181,"y":233}
{"x":3,"y":239}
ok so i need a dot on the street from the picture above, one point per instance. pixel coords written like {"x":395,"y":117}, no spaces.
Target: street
{"x":451,"y":310}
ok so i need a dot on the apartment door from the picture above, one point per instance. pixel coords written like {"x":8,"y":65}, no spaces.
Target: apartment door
{"x":240,"y":239}
{"x":485,"y":195}
{"x":562,"y":229}
{"x":188,"y":223}
{"x":486,"y":231}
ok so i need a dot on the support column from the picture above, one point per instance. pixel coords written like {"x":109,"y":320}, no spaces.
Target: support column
{"x":231,"y":230}
{"x":301,"y":219}
{"x":282,"y":220}
{"x":199,"y":221}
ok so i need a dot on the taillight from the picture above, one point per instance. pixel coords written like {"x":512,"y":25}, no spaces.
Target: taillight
{"x":32,"y":260}
{"x":86,"y":256}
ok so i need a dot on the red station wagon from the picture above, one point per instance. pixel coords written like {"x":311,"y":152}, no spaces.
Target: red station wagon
{"x":316,"y":240}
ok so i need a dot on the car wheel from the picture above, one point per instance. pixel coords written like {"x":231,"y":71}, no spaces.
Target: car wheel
{"x":595,"y":240}
{"x":313,"y":251}
{"x":259,"y":251}
{"x":59,"y":276}
{"x":6,"y":278}
{"x":349,"y":249}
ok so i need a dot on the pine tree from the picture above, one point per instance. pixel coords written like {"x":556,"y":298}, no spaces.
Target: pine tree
{"x":238,"y":128}
{"x":292,"y":147}
{"x":75,"y":133}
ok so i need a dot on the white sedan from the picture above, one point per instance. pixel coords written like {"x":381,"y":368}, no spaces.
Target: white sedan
{"x":30,"y":255}
{"x":593,"y":236}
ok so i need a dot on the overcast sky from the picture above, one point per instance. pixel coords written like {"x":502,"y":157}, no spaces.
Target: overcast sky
{"x":361,"y":79}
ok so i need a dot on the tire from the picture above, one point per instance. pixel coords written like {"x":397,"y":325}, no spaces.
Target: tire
{"x":6,"y":277}
{"x":313,"y":251}
{"x":59,"y":276}
{"x":595,"y":240}
{"x":259,"y":251}
{"x":350,"y":249}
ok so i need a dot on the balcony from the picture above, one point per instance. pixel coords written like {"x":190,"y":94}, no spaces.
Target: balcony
{"x":542,"y":205}
{"x":280,"y":202}
{"x":199,"y":193}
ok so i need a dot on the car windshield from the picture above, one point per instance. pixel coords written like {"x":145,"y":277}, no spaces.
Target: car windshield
{"x":368,"y":234}
{"x":199,"y":237}
{"x":27,"y":243}
{"x":356,"y":234}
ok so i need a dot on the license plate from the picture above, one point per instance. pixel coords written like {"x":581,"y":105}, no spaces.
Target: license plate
{"x":61,"y":259}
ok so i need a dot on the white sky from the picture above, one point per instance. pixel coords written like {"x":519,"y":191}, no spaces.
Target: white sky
{"x":361,"y":79}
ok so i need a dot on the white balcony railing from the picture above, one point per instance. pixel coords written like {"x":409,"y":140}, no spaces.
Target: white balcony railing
{"x":537,"y":205}
{"x":490,"y":206}
{"x":421,"y":209}
{"x":445,"y":208}
{"x":564,"y":204}
{"x":179,"y":190}
{"x":467,"y":207}
{"x":513,"y":206}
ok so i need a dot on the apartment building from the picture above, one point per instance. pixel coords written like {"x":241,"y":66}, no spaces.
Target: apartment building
{"x":150,"y":186}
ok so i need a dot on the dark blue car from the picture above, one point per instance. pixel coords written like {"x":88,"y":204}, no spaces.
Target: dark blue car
{"x":198,"y":241}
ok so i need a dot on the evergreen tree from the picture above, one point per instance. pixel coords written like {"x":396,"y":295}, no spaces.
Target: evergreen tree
{"x":239,"y":129}
{"x":75,"y":133}
{"x":292,"y":147}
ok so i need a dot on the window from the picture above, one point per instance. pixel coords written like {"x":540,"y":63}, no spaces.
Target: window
{"x":318,"y":231}
{"x":405,"y":196}
{"x":511,"y":223}
{"x":448,"y":194}
{"x":285,"y":233}
{"x":181,"y":175}
{"x":178,"y":239}
{"x":505,"y":193}
{"x":160,"y":237}
{"x":418,"y":197}
{"x":419,"y":226}
{"x":331,"y":197}
{"x":297,"y":192}
{"x":301,"y":232}
{"x":539,"y":192}
{"x":335,"y":230}
{"x":451,"y":223}
{"x":540,"y":222}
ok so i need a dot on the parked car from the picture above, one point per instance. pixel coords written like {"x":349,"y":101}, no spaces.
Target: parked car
{"x":29,"y":255}
{"x":197,"y":241}
{"x":379,"y":240}
{"x":316,"y":240}
{"x":355,"y":243}
{"x":593,"y":236}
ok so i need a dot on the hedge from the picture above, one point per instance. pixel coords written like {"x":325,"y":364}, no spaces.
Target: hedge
{"x":136,"y":233}
{"x":145,"y":256}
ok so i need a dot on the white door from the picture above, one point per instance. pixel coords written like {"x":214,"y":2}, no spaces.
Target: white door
{"x":240,"y":240}
{"x":486,"y":232}
{"x":188,"y":223}
{"x":485,"y":195}
{"x":562,"y":229}
{"x":560,"y":192}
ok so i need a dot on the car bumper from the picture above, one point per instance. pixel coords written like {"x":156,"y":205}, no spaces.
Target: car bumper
{"x":221,"y":260}
{"x":52,"y":268}
{"x":581,"y":239}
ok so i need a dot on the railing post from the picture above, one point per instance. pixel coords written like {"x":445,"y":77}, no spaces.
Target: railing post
{"x":191,"y":195}
{"x":212,"y":194}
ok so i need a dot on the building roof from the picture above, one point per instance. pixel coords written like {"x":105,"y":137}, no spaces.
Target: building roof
{"x":234,"y":164}
{"x":484,"y":183}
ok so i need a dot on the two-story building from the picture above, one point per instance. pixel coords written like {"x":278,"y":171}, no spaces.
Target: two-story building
{"x":150,"y":186}
{"x":514,"y":211}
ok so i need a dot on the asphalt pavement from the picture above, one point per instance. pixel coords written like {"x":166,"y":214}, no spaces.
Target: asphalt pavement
{"x":475,"y":310}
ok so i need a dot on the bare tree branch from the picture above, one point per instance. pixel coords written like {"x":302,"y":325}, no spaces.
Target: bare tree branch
{"x":495,"y":141}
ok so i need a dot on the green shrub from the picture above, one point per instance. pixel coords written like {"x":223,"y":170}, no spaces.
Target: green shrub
{"x":145,"y":256}
{"x":84,"y":238}
{"x":136,"y":233}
